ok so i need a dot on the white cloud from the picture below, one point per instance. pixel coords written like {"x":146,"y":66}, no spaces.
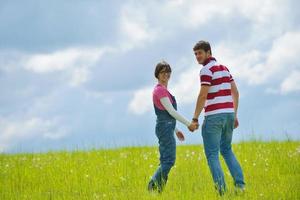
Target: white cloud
{"x":257,"y":67}
{"x":141,"y":101}
{"x":195,"y":13}
{"x":63,"y":59}
{"x":200,"y":12}
{"x":284,"y":55}
{"x":74,"y":63}
{"x":134,"y":27}
{"x":12,"y":131}
{"x":291,"y":83}
{"x":79,"y":76}
{"x":187,"y":85}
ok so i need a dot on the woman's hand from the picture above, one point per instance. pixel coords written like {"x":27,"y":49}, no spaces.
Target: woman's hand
{"x":180,"y":136}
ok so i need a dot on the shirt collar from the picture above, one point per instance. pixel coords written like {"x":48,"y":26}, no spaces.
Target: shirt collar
{"x":208,"y":60}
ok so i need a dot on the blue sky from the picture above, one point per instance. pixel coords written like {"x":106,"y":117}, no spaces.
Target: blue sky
{"x":79,"y":74}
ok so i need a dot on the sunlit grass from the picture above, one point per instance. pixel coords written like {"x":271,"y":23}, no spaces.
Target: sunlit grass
{"x":272,"y":171}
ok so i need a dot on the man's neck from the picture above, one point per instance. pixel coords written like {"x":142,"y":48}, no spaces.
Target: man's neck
{"x":208,"y":60}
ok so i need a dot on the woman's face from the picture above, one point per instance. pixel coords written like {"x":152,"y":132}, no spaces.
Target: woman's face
{"x":164,"y":75}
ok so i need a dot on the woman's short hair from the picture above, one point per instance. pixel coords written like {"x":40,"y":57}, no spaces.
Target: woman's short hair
{"x":163,"y":65}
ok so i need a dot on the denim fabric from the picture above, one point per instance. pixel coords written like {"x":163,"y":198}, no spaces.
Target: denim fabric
{"x":164,"y":130}
{"x":167,"y":149}
{"x":217,"y":137}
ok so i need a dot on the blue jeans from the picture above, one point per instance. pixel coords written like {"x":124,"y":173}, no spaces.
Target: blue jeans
{"x":164,"y":131}
{"x":217,"y":132}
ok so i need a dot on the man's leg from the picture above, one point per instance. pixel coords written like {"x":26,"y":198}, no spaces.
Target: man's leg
{"x":211,"y":133}
{"x":229,"y":157}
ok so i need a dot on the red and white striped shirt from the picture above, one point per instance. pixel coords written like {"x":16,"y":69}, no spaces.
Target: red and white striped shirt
{"x":218,"y":77}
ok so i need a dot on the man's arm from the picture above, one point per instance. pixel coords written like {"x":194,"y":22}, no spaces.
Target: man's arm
{"x":235,"y":96}
{"x":201,"y":100}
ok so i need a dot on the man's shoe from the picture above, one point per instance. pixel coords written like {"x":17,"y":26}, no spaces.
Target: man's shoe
{"x":239,"y":190}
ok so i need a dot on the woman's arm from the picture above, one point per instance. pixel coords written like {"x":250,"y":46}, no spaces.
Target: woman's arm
{"x":165,"y":101}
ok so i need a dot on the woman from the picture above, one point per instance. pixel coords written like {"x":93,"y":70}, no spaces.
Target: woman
{"x":165,"y":107}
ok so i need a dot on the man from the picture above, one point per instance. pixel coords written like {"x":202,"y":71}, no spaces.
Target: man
{"x":219,"y":97}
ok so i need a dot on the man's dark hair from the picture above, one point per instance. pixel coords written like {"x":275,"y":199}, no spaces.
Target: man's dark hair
{"x":163,"y":65}
{"x":204,"y":45}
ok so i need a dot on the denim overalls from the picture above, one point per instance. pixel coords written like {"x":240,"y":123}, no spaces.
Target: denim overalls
{"x":164,"y":130}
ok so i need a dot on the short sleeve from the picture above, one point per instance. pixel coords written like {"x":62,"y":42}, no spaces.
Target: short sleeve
{"x":205,"y":76}
{"x":230,"y":76}
{"x":161,"y":92}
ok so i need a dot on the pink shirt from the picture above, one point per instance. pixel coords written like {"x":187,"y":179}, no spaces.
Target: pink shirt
{"x":159,"y":92}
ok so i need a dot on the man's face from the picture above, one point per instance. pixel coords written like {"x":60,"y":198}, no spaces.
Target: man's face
{"x":201,"y":55}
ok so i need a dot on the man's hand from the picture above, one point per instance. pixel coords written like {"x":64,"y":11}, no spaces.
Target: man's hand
{"x":236,"y":122}
{"x":193,"y":126}
{"x":180,"y":136}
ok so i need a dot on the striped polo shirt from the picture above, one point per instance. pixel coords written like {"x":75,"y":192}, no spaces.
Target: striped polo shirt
{"x":218,"y":77}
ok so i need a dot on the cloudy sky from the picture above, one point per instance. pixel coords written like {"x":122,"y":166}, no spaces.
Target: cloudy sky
{"x":79,"y":74}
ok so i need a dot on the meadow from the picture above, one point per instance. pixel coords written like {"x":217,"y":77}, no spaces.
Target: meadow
{"x":272,"y":171}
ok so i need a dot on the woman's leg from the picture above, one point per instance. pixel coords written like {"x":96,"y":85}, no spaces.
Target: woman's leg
{"x":167,"y":150}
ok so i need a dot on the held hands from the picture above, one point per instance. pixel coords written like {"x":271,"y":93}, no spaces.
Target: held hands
{"x":193,"y":126}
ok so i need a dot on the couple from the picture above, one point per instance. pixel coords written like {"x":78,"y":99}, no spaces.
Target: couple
{"x":219,"y":97}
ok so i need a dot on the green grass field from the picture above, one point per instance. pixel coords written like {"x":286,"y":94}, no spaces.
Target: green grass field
{"x":272,"y":171}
